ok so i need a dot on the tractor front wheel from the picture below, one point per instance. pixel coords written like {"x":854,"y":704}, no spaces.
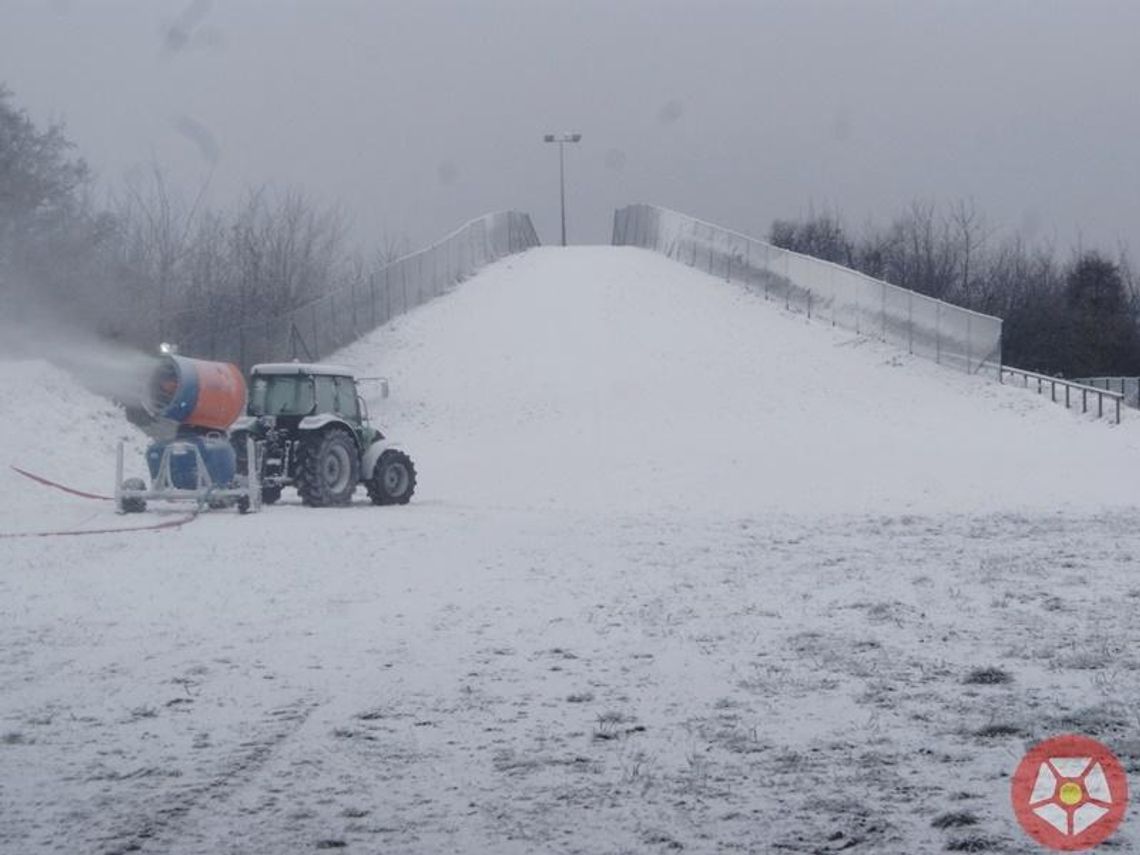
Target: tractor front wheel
{"x":330,"y":468}
{"x":393,"y":480}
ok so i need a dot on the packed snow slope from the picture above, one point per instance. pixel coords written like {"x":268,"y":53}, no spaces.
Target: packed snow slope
{"x":614,"y":379}
{"x":53,"y":427}
{"x":684,"y":572}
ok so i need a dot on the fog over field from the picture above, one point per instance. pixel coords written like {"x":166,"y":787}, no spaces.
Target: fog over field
{"x":419,"y":115}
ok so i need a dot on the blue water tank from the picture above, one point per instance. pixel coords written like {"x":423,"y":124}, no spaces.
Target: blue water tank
{"x":221,"y":462}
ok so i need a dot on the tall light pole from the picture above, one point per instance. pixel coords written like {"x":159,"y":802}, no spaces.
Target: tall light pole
{"x":562,"y":139}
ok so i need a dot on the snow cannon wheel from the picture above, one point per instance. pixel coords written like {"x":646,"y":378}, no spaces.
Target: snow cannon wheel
{"x":330,"y":469}
{"x":270,"y":495}
{"x":134,"y":504}
{"x":394,"y":479}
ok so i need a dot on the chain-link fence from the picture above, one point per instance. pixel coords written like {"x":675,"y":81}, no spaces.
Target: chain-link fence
{"x":315,"y":329}
{"x":924,"y":326}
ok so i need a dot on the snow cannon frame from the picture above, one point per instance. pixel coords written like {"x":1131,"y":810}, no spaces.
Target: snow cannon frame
{"x":132,"y":495}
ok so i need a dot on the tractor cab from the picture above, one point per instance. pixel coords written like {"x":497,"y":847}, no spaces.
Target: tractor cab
{"x":302,"y":393}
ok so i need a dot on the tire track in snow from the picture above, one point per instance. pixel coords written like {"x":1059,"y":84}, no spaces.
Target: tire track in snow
{"x":173,"y":818}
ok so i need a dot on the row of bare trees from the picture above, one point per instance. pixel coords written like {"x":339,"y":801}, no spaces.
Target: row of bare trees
{"x":1074,"y":317}
{"x":194,"y":271}
{"x":148,"y":265}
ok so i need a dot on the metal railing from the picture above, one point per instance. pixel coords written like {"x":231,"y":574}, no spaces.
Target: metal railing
{"x":1129,"y":387}
{"x":1068,"y":386}
{"x":926,"y":327}
{"x":323,"y":325}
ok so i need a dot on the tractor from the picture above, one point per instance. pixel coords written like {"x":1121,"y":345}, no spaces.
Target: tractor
{"x":311,"y":431}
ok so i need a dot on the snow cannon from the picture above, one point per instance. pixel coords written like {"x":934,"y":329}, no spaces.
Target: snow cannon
{"x":197,"y":462}
{"x":195,"y":393}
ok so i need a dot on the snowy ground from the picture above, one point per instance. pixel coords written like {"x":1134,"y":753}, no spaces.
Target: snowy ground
{"x":684,"y":571}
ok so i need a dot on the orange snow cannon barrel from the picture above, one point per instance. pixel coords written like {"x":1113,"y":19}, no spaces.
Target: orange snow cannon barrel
{"x":196,"y":393}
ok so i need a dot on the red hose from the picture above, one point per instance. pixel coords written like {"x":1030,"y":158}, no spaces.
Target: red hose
{"x":41,"y":480}
{"x":174,"y":523}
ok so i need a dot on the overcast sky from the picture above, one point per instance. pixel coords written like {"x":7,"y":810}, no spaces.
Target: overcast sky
{"x":417,"y":115}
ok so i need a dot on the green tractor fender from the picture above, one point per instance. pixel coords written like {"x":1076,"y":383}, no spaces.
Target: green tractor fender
{"x":372,"y":456}
{"x":323,"y":420}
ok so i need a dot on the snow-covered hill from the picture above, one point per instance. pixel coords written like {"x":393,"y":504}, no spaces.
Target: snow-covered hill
{"x":684,"y":571}
{"x":612,"y":378}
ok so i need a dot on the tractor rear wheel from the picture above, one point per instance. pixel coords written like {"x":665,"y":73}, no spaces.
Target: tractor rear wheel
{"x":393,"y":480}
{"x":329,"y":470}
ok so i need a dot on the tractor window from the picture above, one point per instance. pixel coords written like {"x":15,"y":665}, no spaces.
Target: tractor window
{"x":326,"y":395}
{"x":281,"y":395}
{"x":346,"y":399}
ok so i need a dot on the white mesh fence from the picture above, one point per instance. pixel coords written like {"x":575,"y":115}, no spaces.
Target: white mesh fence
{"x":921,"y":325}
{"x":315,"y":329}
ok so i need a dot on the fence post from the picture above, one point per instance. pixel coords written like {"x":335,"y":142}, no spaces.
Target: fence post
{"x":388,"y":293}
{"x":910,"y":322}
{"x":372,"y":297}
{"x":316,"y":337}
{"x":938,"y":331}
{"x":1084,"y":400}
{"x":355,"y":326}
{"x":883,"y":310}
{"x":787,"y":285}
{"x":969,"y":347}
{"x":834,"y":297}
